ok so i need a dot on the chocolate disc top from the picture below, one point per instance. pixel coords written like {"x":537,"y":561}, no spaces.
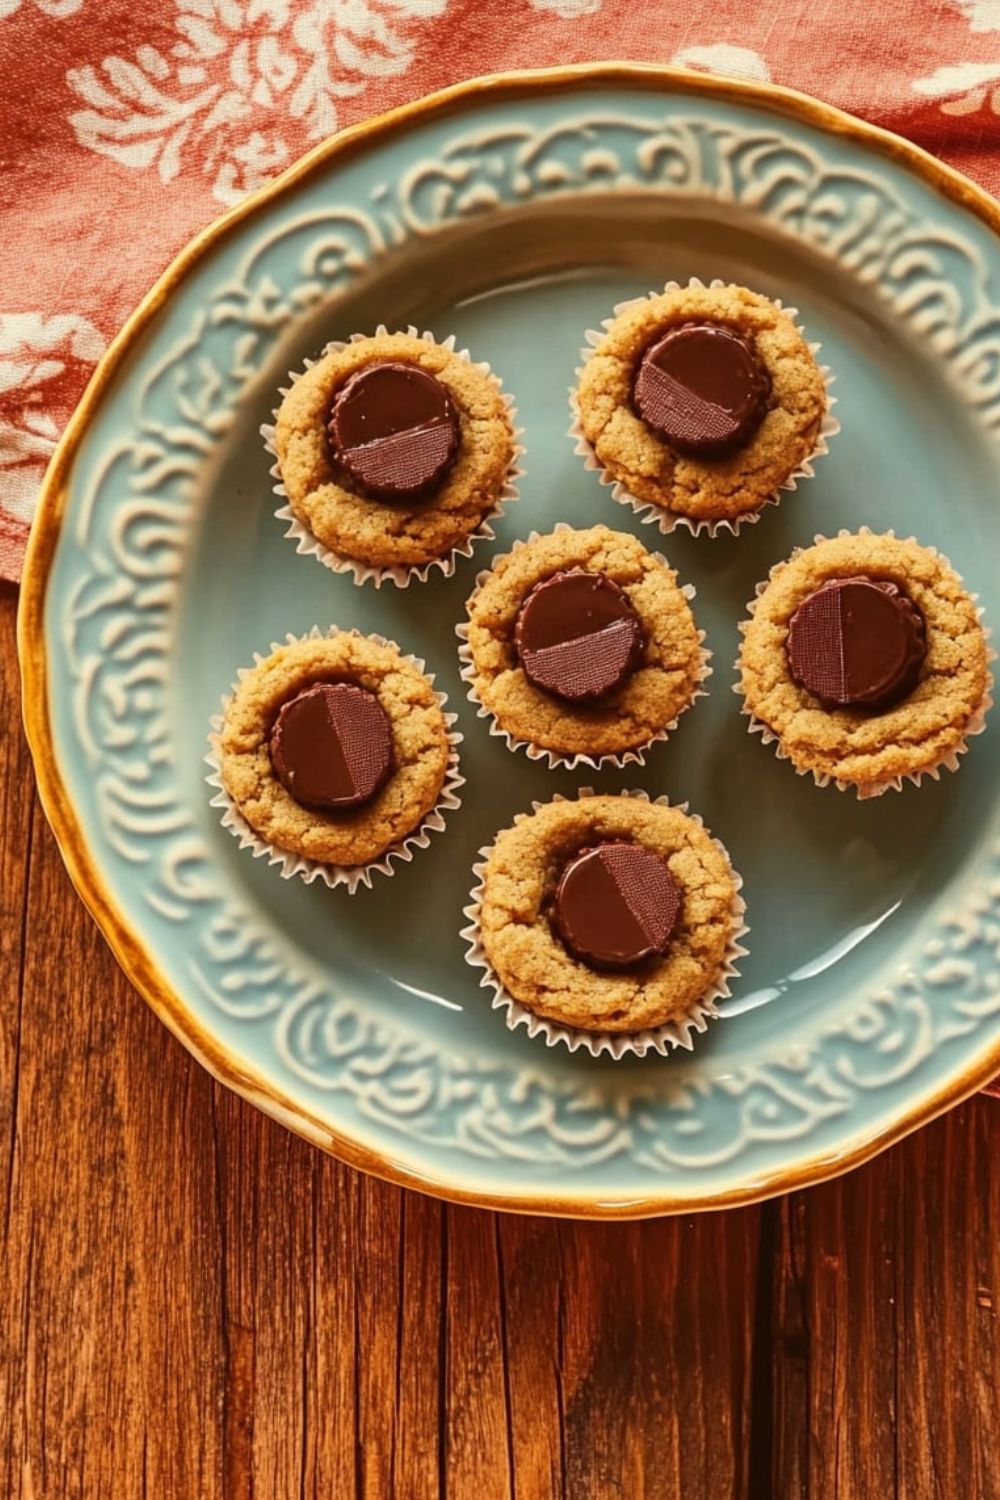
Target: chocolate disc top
{"x":616,"y":905}
{"x":702,"y":388}
{"x":577,"y":635}
{"x":331,"y":746}
{"x":394,"y":429}
{"x":857,"y":642}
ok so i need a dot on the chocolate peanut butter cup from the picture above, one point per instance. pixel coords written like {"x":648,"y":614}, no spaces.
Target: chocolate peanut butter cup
{"x":394,"y":429}
{"x":857,"y":643}
{"x":616,"y":905}
{"x":702,"y":388}
{"x":331,"y":746}
{"x":578,"y":636}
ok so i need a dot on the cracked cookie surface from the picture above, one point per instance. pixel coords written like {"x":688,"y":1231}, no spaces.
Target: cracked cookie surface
{"x":868,"y":749}
{"x":713,"y":489}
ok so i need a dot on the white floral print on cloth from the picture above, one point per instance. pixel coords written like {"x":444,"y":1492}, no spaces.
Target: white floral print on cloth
{"x":569,"y":9}
{"x":964,"y":88}
{"x":723,"y":57}
{"x":982,"y":15}
{"x":44,"y":364}
{"x":215,"y":97}
{"x":245,"y":85}
{"x":58,"y":9}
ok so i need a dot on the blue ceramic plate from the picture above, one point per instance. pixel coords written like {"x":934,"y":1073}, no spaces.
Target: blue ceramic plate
{"x":514,"y":213}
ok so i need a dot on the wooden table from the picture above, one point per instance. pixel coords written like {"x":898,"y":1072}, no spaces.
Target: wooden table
{"x":197,"y":1305}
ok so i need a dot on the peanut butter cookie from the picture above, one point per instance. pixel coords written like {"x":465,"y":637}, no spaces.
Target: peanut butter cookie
{"x":393,"y":450}
{"x":334,"y":748}
{"x":702,"y":402}
{"x":609,"y":914}
{"x":865,"y":659}
{"x":583,"y":643}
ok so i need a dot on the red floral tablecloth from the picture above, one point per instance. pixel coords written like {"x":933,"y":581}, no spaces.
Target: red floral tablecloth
{"x":126,"y":127}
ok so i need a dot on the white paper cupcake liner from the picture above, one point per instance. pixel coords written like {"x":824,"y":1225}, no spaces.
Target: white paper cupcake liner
{"x":647,"y":511}
{"x":401,"y":574}
{"x":557,"y":758}
{"x":661,"y":1039}
{"x":291,"y":864}
{"x":868,"y":789}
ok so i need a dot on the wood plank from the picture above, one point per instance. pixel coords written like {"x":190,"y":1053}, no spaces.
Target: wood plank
{"x":330,"y":1397}
{"x":531,"y":1264}
{"x":476,"y":1447}
{"x":849,"y":1249}
{"x":340,"y":1334}
{"x":265,"y":1270}
{"x":417,"y":1461}
{"x":17,"y":813}
{"x":311,"y":1272}
{"x":112,"y":1306}
{"x":947,"y":1292}
{"x":886,"y":1354}
{"x":376,"y":1252}
{"x":629,"y":1355}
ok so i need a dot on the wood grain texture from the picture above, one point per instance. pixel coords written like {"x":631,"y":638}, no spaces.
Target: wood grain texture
{"x":195,"y":1305}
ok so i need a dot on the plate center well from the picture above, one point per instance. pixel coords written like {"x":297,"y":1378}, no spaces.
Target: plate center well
{"x":834,"y":888}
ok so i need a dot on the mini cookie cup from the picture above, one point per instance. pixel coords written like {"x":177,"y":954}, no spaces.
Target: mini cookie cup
{"x":648,"y":511}
{"x":308,"y":544}
{"x":291,"y":863}
{"x":661,"y":1039}
{"x":569,"y":760}
{"x":875,"y":787}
